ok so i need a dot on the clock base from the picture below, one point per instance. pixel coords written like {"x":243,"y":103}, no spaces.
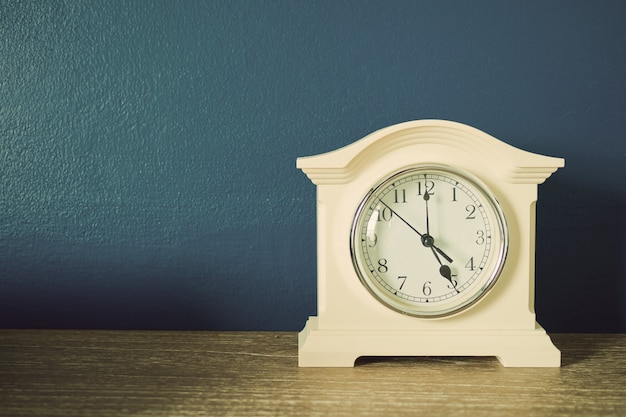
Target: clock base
{"x":341,"y":348}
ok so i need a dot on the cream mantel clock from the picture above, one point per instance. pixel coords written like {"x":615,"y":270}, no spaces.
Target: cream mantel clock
{"x":426,"y":246}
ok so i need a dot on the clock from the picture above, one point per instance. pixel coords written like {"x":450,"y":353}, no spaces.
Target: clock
{"x":425,"y":247}
{"x":428,"y":241}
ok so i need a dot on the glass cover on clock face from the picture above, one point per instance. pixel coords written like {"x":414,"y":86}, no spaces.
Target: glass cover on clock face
{"x":429,"y":241}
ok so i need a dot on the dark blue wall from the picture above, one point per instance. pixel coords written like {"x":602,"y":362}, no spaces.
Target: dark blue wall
{"x":147,"y":148}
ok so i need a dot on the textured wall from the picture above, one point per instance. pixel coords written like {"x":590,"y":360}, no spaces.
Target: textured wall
{"x":147,"y":148}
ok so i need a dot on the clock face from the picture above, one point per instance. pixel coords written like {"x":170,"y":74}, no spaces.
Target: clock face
{"x":429,"y":241}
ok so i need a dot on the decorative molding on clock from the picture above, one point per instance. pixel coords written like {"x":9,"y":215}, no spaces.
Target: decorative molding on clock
{"x":518,"y":166}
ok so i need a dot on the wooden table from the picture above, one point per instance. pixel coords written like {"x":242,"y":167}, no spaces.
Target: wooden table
{"x":156,"y":373}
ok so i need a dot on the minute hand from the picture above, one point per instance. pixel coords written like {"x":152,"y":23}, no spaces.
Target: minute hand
{"x":442,"y":253}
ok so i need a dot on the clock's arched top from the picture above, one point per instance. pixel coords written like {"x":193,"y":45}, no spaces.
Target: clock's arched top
{"x":517,"y":165}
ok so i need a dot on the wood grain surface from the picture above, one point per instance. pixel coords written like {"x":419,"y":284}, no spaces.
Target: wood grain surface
{"x":158,"y":373}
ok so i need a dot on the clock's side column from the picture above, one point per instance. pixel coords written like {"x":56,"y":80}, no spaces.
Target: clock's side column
{"x":530,"y":346}
{"x":317,"y":342}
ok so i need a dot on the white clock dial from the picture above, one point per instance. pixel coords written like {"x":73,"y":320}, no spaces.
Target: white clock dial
{"x":429,"y":241}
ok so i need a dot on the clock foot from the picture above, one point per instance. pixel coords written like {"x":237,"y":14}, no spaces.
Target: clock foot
{"x":532,"y":352}
{"x":539,"y":358}
{"x":326,"y":360}
{"x":314,"y":351}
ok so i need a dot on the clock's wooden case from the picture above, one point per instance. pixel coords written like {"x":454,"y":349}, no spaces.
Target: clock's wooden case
{"x":351,"y":323}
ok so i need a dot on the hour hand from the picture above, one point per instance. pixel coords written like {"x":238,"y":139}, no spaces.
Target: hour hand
{"x":442,"y":253}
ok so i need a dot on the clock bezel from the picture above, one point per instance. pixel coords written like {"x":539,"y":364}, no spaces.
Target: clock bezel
{"x":477,"y":293}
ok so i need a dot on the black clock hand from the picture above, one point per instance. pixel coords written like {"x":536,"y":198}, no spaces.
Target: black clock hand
{"x":445,"y":272}
{"x":436,"y":256}
{"x":430,"y":238}
{"x":426,"y":198}
{"x":427,"y":240}
{"x":400,"y":217}
{"x":442,"y":253}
